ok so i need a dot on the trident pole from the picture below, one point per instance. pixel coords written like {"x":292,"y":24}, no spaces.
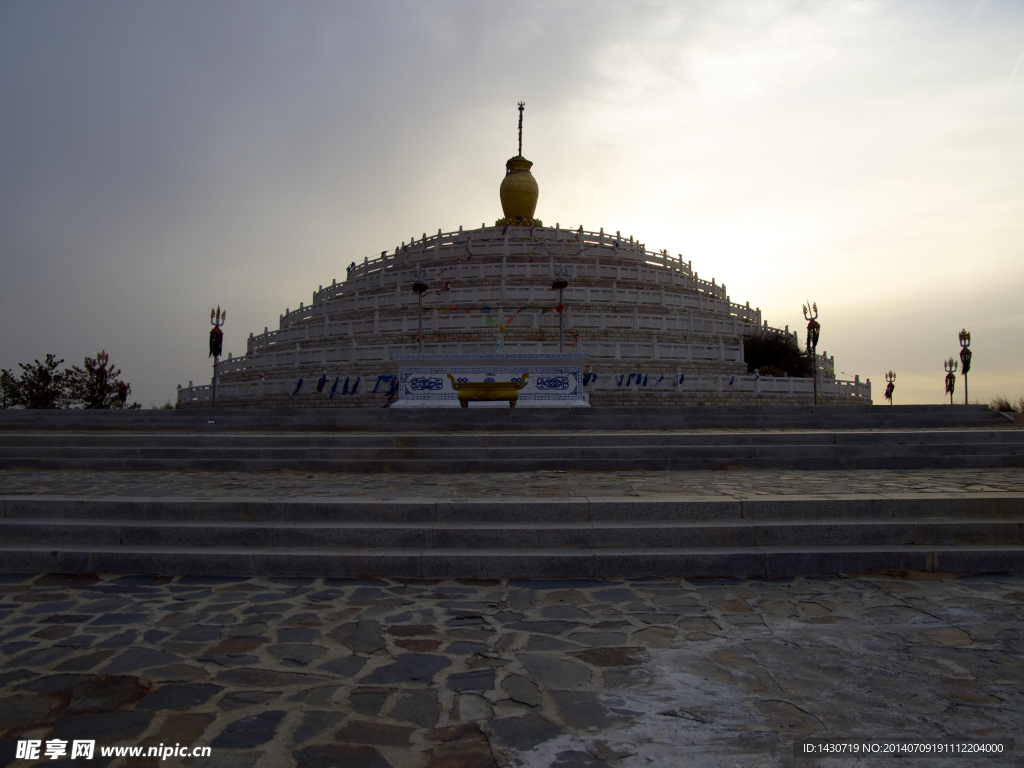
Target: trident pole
{"x":217,"y":318}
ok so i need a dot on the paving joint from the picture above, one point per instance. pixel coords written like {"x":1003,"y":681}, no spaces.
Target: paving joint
{"x":410,"y":673}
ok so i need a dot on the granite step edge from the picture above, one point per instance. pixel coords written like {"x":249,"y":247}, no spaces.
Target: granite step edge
{"x":545,"y":563}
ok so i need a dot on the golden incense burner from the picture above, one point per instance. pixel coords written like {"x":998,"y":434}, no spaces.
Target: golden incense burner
{"x":488,"y":390}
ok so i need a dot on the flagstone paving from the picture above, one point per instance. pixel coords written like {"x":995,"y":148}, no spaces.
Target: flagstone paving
{"x":315,"y":673}
{"x":735,"y":483}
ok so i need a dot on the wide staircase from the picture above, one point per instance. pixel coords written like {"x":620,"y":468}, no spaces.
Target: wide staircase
{"x":590,"y":536}
{"x":494,"y":538}
{"x":492,"y":440}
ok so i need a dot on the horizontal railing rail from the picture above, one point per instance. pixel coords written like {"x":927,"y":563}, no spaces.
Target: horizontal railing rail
{"x":645,"y":378}
{"x":437,"y":253}
{"x":446,"y":297}
{"x":322,"y":357}
{"x":400,"y":275}
{"x":441,"y":319}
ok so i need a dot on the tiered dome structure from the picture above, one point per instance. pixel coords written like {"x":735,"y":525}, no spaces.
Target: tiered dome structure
{"x":655,"y":332}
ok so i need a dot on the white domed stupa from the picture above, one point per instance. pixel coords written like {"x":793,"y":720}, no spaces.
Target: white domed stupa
{"x":636,"y":326}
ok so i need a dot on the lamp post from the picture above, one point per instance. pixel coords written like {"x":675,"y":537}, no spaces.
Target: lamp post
{"x":950,"y":366}
{"x":890,"y":385}
{"x":813,"y":331}
{"x":965,"y":358}
{"x":560,"y":284}
{"x":217,"y":318}
{"x":420,"y":288}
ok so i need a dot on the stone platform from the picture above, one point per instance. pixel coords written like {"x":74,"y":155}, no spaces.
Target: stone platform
{"x":260,"y":629}
{"x":310,"y":672}
{"x":551,"y":380}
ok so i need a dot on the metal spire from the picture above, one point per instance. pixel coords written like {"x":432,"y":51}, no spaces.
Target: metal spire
{"x":521,"y":105}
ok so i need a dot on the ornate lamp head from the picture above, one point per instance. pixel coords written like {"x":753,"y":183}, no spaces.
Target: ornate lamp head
{"x":890,"y":386}
{"x":950,"y":366}
{"x":216,"y":334}
{"x":813,"y":326}
{"x":560,"y":282}
{"x":965,"y":352}
{"x":418,"y":285}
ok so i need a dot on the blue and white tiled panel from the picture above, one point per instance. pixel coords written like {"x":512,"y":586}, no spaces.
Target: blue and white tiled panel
{"x":554,"y":386}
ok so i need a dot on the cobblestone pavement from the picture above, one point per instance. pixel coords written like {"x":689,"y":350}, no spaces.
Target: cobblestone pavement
{"x":737,"y":483}
{"x":322,"y":673}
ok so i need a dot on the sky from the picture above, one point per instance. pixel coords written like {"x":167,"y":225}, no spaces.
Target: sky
{"x":158,"y":159}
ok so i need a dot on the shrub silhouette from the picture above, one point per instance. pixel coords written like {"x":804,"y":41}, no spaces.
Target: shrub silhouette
{"x":44,"y":385}
{"x":776,"y":354}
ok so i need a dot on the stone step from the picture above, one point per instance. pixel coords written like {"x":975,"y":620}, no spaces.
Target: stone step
{"x":413,"y":419}
{"x":615,"y":462}
{"x":522,"y":451}
{"x":502,"y":563}
{"x":502,"y":537}
{"x":551,"y":510}
{"x":248,"y":440}
{"x":503,"y":453}
{"x":647,"y":534}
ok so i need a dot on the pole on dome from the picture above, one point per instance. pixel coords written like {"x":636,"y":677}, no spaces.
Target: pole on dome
{"x":560,"y":284}
{"x":420,"y":288}
{"x":522,"y":105}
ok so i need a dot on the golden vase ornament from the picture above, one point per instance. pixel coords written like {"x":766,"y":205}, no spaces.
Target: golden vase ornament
{"x":519,"y":191}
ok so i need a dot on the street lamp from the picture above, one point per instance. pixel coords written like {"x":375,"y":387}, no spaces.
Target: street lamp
{"x":965,"y":358}
{"x":560,"y":284}
{"x":217,"y":318}
{"x":890,"y":379}
{"x":950,"y":366}
{"x":420,"y":288}
{"x":813,"y":331}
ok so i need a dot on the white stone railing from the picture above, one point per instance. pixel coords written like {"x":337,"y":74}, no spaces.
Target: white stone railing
{"x":645,"y":378}
{"x":194,"y":393}
{"x":826,"y":365}
{"x":437,"y":320}
{"x":510,"y":297}
{"x":326,"y":358}
{"x":539,"y":245}
{"x":542,"y":267}
{"x":725,"y":383}
{"x":514,"y":240}
{"x":399,"y":277}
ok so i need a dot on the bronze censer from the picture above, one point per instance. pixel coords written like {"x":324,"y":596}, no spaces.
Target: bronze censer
{"x":488,"y":390}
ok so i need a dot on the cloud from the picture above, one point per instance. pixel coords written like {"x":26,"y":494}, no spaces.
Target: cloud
{"x":159,"y":159}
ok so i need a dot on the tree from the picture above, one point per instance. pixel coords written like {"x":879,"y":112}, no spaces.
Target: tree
{"x":775,"y":353}
{"x":98,"y":385}
{"x":41,"y":385}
